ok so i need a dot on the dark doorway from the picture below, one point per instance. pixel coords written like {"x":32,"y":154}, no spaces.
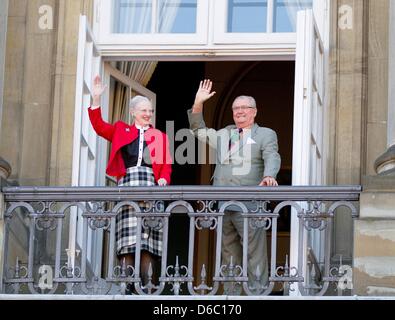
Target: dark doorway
{"x":175,"y":85}
{"x":270,"y":82}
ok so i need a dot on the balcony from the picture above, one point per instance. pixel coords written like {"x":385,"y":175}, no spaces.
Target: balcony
{"x":61,"y":240}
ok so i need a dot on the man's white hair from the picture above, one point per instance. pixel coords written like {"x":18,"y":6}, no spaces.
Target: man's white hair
{"x":136,"y":100}
{"x":251,"y":100}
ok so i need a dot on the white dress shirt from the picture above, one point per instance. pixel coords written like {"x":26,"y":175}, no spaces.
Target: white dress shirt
{"x":141,"y":129}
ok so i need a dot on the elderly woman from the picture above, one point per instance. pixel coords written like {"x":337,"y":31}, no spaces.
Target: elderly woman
{"x":139,"y":157}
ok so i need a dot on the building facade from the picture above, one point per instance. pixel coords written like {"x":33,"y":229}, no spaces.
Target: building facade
{"x":324,"y":86}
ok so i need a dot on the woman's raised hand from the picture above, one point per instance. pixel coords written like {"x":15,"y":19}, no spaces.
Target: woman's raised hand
{"x":98,"y":87}
{"x":97,"y":90}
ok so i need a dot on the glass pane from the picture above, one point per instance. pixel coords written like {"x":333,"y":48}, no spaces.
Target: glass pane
{"x":132,"y":16}
{"x":177,"y":16}
{"x":247,"y":15}
{"x":285,"y":14}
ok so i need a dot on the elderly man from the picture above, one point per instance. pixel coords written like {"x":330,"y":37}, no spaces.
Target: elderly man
{"x":246,"y":154}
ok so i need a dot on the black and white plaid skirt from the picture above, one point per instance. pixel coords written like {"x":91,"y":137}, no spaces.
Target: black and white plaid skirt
{"x":126,"y":222}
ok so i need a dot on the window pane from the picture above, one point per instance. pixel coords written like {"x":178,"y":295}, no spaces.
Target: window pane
{"x":285,"y":14}
{"x":247,"y":15}
{"x":173,"y":16}
{"x":177,"y":16}
{"x":132,"y":16}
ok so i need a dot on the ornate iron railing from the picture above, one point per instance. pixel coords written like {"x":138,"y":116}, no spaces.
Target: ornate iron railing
{"x":49,"y":209}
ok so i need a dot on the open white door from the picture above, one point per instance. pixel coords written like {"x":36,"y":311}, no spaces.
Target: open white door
{"x":307,"y":162}
{"x":85,"y":160}
{"x":3,"y":39}
{"x":88,"y":65}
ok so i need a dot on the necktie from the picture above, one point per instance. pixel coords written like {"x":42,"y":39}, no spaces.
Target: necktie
{"x":235,"y":137}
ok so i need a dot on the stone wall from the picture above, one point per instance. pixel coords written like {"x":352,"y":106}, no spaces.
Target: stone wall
{"x":374,"y":238}
{"x":38,"y":108}
{"x":357,"y":100}
{"x":36,"y":131}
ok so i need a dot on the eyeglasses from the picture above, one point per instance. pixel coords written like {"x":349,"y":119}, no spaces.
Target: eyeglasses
{"x":242,"y":108}
{"x":145,"y":110}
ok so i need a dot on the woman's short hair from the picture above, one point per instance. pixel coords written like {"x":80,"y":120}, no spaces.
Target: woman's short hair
{"x":136,"y":100}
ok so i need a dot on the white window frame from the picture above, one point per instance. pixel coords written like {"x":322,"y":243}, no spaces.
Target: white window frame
{"x":89,"y":63}
{"x":269,"y":38}
{"x":308,"y":160}
{"x":208,"y":44}
{"x":105,"y":37}
{"x":85,"y":161}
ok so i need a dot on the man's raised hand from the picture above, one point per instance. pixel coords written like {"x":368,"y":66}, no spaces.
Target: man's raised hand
{"x":203,"y":94}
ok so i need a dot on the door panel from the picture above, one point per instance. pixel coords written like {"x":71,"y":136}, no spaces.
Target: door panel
{"x":308,"y":127}
{"x":89,"y":63}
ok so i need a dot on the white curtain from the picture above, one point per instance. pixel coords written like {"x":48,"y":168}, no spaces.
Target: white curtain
{"x":293,"y":6}
{"x":140,"y":71}
{"x":167,"y":10}
{"x":132,"y":16}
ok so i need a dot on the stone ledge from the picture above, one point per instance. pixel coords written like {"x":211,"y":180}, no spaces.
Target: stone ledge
{"x":377,"y":205}
{"x":377,"y":200}
{"x":379,"y":183}
{"x":376,"y":267}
